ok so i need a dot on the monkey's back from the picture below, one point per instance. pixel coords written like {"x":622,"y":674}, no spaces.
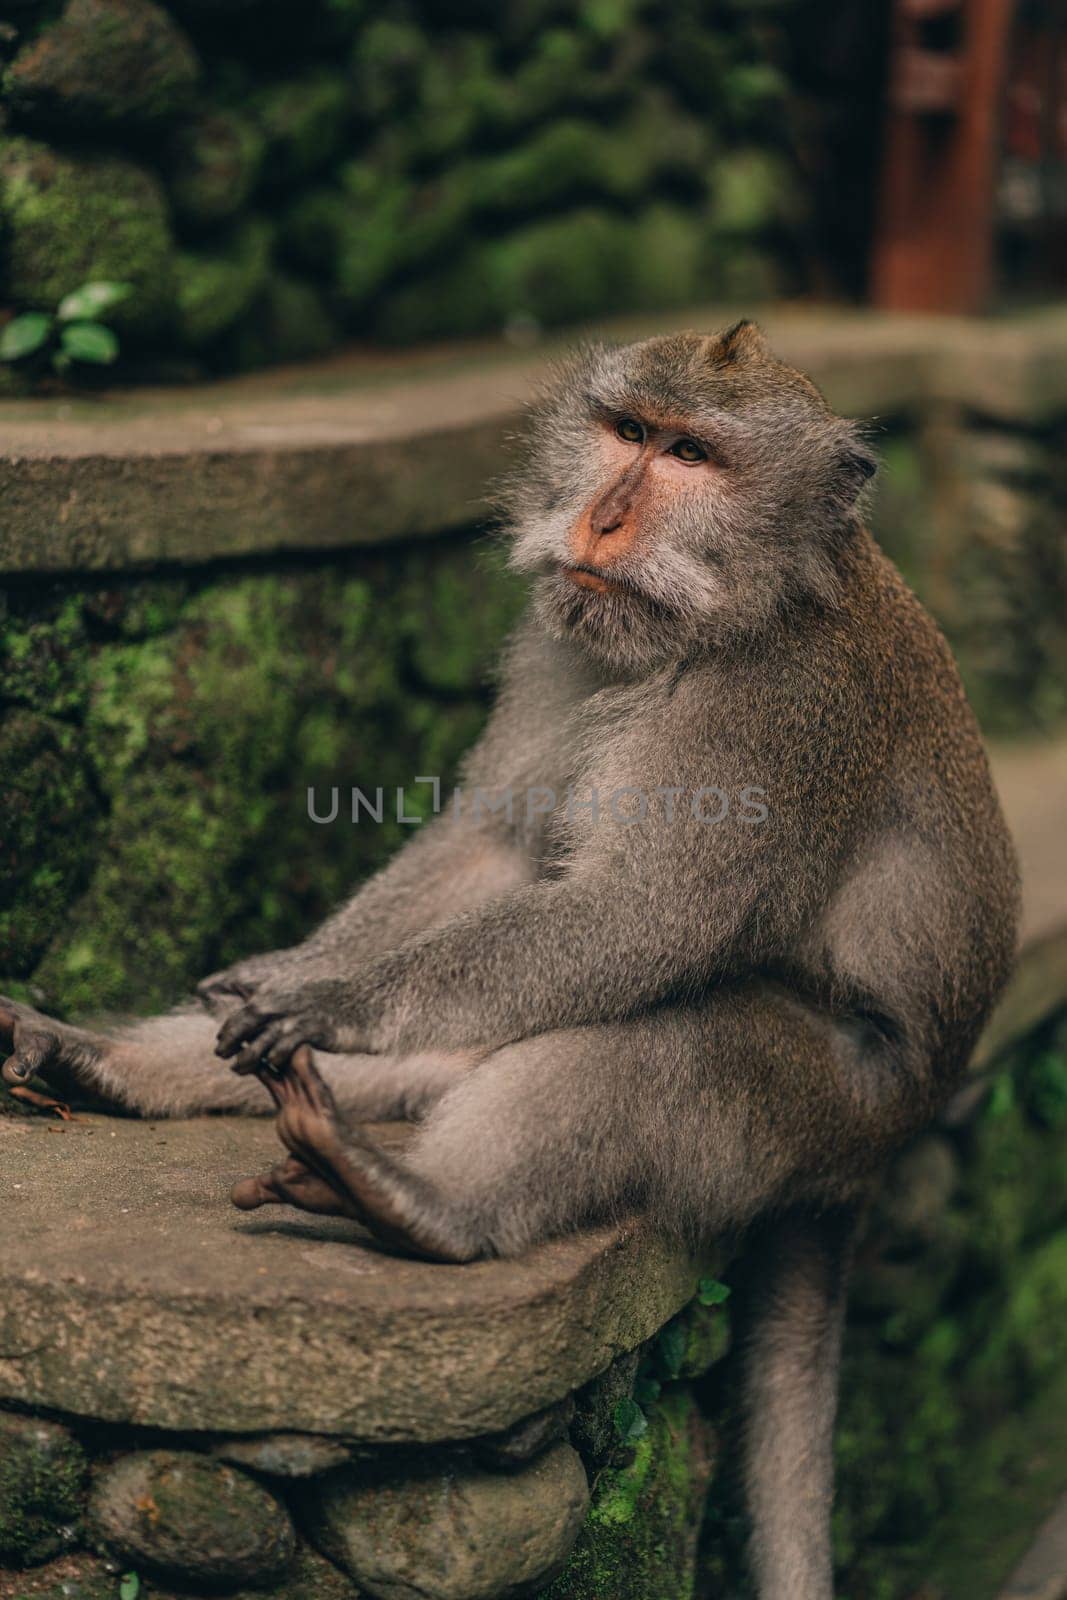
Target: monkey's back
{"x":957,"y":878}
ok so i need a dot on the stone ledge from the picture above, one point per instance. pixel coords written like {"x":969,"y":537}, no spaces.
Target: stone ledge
{"x":131,"y":1291}
{"x":363,"y":450}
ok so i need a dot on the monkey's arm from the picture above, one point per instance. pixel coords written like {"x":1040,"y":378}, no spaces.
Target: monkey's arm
{"x":457,"y":860}
{"x":646,"y":909}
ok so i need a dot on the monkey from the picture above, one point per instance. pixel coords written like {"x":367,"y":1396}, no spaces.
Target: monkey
{"x":627,"y":998}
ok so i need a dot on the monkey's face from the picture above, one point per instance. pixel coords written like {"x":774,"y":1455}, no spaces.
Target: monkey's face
{"x":679,"y":491}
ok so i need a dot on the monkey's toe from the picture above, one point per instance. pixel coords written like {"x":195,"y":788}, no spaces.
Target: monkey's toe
{"x":250,"y":1193}
{"x":290,"y":1183}
{"x":307,"y":1080}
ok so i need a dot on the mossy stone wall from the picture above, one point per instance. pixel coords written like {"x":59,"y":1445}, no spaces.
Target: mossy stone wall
{"x":272,"y":178}
{"x":157,"y":739}
{"x":158,"y":735}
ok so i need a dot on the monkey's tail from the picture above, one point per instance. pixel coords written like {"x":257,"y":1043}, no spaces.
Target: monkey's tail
{"x":792,"y":1311}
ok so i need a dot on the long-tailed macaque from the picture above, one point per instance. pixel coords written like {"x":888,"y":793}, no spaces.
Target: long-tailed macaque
{"x":742,"y":954}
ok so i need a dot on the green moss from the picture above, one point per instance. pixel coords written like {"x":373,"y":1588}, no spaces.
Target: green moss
{"x":104,"y":62}
{"x":42,"y":1475}
{"x":751,"y":191}
{"x":214,"y":160}
{"x":161,"y":820}
{"x":386,"y":66}
{"x":435,"y":606}
{"x":302,"y":121}
{"x":69,"y":219}
{"x":1026,"y":1339}
{"x":50,"y":818}
{"x":287,"y":321}
{"x":692,"y":1342}
{"x":639,"y":1538}
{"x":42,"y":656}
{"x":213,"y":289}
{"x":72,"y":1577}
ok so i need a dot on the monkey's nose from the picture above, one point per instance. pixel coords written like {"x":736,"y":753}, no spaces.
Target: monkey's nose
{"x":610,"y":524}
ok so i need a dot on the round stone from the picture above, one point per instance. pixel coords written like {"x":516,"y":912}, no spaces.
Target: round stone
{"x":452,"y":1531}
{"x":42,"y":1470}
{"x":185,"y":1516}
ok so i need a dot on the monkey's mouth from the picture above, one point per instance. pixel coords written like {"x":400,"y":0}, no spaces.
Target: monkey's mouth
{"x":599,"y":582}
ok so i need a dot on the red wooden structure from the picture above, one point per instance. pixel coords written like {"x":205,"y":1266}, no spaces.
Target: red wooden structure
{"x":933,"y":248}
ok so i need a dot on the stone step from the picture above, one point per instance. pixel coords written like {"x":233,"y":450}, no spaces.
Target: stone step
{"x":132,"y":1291}
{"x":324,"y":456}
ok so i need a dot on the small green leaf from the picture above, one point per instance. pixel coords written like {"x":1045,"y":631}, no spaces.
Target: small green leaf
{"x":91,"y":300}
{"x":89,"y":341}
{"x":129,"y":1586}
{"x":23,"y":335}
{"x":630,"y":1421}
{"x":710,"y":1292}
{"x":671,"y":1344}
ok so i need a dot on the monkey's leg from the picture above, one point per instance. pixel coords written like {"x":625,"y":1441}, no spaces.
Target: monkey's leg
{"x":708,"y":1117}
{"x":167,"y":1066}
{"x":705,"y":1115}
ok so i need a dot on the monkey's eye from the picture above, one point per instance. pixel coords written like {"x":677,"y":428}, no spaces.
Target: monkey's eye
{"x":630,"y":430}
{"x":689,"y":451}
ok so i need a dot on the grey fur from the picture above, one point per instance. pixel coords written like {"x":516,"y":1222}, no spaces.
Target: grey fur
{"x":720,"y":1024}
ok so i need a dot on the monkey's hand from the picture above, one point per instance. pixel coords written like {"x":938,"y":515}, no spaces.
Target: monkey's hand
{"x":273,"y":1024}
{"x":67,"y":1058}
{"x":242,"y":980}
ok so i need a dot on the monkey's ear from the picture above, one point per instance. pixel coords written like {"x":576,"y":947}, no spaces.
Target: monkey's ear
{"x":858,"y":465}
{"x":742,"y":340}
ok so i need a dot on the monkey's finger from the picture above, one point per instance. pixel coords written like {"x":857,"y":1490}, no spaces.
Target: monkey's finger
{"x":267,"y":1048}
{"x":290,"y":1036}
{"x":220,"y":984}
{"x":241,"y":1028}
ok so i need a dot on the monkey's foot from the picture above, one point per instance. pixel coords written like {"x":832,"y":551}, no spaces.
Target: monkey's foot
{"x":290,"y":1184}
{"x":38,"y":1046}
{"x":370,"y":1184}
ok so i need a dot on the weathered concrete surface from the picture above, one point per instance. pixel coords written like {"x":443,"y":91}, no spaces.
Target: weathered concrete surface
{"x":130,"y":1289}
{"x":361,"y":450}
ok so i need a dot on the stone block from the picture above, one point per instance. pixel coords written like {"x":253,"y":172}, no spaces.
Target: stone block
{"x":453,"y":1531}
{"x":187,"y":1517}
{"x":42,"y":1472}
{"x":132,"y":1291}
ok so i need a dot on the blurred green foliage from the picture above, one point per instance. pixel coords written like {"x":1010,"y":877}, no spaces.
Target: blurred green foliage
{"x":271,"y":179}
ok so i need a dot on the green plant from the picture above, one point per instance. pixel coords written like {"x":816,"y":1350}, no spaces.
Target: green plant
{"x":74,"y":332}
